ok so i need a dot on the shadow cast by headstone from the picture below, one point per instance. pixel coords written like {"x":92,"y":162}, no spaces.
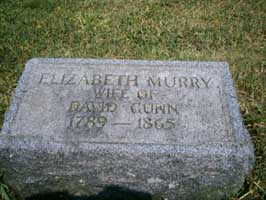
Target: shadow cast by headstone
{"x":112,"y":192}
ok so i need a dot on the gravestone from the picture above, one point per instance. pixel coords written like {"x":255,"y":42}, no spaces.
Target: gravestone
{"x":171,"y":129}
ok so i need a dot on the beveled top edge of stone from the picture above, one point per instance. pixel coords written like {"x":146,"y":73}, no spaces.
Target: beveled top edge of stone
{"x":81,"y":61}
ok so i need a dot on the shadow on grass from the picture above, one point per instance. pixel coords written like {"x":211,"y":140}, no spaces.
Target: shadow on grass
{"x":108,"y":193}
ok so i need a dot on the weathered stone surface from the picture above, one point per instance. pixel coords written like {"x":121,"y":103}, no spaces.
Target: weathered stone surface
{"x":172,"y":129}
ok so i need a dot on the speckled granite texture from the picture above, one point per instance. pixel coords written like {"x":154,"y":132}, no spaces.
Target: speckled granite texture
{"x":171,"y":129}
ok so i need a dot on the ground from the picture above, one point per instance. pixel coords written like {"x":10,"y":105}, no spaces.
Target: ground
{"x":231,"y":31}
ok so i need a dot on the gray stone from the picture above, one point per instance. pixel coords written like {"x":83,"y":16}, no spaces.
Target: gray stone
{"x":171,"y":129}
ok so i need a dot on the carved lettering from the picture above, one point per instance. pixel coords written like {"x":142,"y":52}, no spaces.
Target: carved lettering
{"x":110,"y":93}
{"x":157,"y":123}
{"x":193,"y":82}
{"x":179,"y":82}
{"x":132,"y":80}
{"x":154,"y":83}
{"x":44,"y":77}
{"x":169,"y":83}
{"x":84,"y":80}
{"x":96,"y":79}
{"x":153,"y":108}
{"x":71,"y":81}
{"x":92,"y":107}
{"x":206,"y":82}
{"x":182,"y":82}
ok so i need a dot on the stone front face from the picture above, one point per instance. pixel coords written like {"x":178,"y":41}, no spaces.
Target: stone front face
{"x":166,"y":128}
{"x":117,"y":103}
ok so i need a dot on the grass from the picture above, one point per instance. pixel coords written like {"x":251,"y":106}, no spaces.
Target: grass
{"x":232,"y":31}
{"x":5,"y":192}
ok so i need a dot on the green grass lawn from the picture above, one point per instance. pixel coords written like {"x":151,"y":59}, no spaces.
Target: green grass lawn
{"x":232,"y":31}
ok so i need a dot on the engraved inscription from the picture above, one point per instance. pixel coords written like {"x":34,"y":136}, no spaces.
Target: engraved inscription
{"x":179,"y":82}
{"x":92,"y":107}
{"x":139,"y":105}
{"x":90,"y":114}
{"x":149,"y":108}
{"x":125,"y":80}
{"x":158,"y":123}
{"x":86,"y":79}
{"x":79,"y":121}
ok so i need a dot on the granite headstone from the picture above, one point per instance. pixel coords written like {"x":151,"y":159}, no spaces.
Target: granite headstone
{"x":171,"y":129}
